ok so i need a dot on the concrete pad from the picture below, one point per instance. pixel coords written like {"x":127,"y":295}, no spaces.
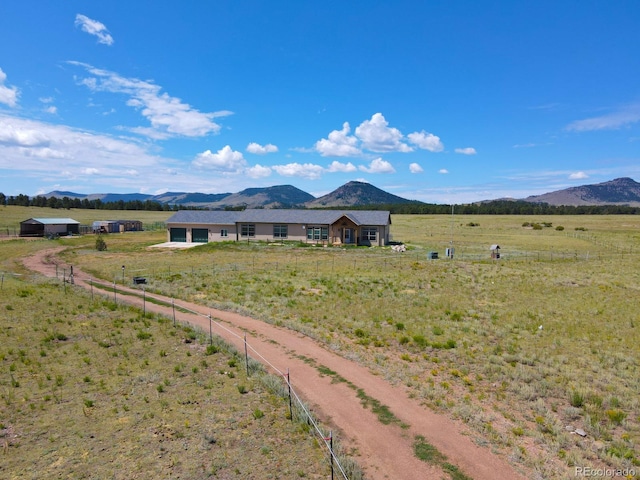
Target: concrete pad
{"x":176,"y":245}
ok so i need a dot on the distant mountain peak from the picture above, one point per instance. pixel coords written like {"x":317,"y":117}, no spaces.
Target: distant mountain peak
{"x":356,"y":193}
{"x":619,"y":191}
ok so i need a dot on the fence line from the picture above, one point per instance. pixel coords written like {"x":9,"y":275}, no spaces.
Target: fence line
{"x":287,"y":381}
{"x":327,"y":442}
{"x":328,"y":265}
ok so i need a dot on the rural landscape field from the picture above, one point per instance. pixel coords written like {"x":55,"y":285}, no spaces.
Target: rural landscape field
{"x":535,"y":351}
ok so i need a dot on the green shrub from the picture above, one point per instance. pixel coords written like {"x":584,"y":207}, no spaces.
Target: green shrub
{"x":616,"y":416}
{"x":576,"y":399}
{"x":257,"y":413}
{"x":420,"y":340}
{"x":101,"y":245}
{"x":211,"y":349}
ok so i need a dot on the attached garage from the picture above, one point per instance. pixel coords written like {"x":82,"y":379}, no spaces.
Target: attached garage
{"x":200,"y":235}
{"x":177,"y":234}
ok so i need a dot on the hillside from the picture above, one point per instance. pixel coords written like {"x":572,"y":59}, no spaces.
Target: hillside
{"x":621,"y":191}
{"x":354,"y":194}
{"x":278,"y":196}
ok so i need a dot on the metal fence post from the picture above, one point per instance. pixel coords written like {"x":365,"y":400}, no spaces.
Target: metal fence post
{"x":246,"y":354}
{"x":289,"y":386}
{"x":210,"y":330}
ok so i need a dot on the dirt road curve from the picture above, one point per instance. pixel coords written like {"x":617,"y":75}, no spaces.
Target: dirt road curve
{"x":383,"y":451}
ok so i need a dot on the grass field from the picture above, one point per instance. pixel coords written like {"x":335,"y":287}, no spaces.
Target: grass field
{"x":526,"y":349}
{"x":92,"y":389}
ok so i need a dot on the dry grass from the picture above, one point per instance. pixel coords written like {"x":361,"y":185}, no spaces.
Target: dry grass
{"x":89,"y":389}
{"x":464,"y":334}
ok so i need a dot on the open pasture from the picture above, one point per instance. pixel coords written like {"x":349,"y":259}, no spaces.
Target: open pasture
{"x":11,"y":216}
{"x":526,"y":349}
{"x":94,"y":389}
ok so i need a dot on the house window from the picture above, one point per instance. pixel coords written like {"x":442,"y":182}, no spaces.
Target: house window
{"x":248,"y":230}
{"x":317,"y":233}
{"x":370,"y":233}
{"x":224,"y":232}
{"x":280,"y":231}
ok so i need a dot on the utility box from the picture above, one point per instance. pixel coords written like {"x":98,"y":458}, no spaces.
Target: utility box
{"x":432,"y":255}
{"x":449,"y":252}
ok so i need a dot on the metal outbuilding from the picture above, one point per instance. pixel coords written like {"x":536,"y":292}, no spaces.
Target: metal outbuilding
{"x":116,"y":226}
{"x":40,"y":227}
{"x":495,"y":251}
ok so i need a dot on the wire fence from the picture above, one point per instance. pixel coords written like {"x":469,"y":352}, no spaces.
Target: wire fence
{"x":298,"y":410}
{"x":329,"y":263}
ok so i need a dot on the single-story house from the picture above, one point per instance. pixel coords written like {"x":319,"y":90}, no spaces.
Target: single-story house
{"x":40,"y":227}
{"x":337,"y":227}
{"x":116,"y":226}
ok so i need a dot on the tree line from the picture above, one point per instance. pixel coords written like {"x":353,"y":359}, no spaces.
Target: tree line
{"x":502,"y":207}
{"x":497,"y":207}
{"x":97,"y":204}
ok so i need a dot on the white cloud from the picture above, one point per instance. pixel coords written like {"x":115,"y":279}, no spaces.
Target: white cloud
{"x":443,"y":171}
{"x":611,"y":121}
{"x":261,"y":149}
{"x":377,"y":136}
{"x":8,"y":95}
{"x":51,"y":109}
{"x":339,"y":144}
{"x":341,"y":167}
{"x":415,"y":168}
{"x":21,"y":134}
{"x":466,"y":151}
{"x":378,"y":165}
{"x":48,"y":152}
{"x":93,"y":27}
{"x":168,"y":116}
{"x":578,"y":176}
{"x":224,"y":160}
{"x":307,"y":170}
{"x":426,"y":141}
{"x":258,"y":171}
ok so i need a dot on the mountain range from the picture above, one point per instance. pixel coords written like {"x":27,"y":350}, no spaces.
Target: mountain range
{"x":621,"y":191}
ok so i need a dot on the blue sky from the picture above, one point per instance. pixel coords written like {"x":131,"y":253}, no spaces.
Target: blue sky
{"x":443,"y":102}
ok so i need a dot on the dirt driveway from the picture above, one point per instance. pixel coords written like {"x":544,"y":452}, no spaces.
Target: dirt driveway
{"x":383,"y":451}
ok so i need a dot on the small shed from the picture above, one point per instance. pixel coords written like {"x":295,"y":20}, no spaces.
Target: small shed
{"x":105,"y":226}
{"x":129,"y":225}
{"x":116,"y":226}
{"x":40,"y":227}
{"x":495,"y":251}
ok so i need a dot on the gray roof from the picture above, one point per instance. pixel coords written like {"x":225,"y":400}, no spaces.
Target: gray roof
{"x":52,"y":221}
{"x":205,"y":217}
{"x":286,"y":216}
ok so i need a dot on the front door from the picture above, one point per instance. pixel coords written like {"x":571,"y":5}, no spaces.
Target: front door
{"x":348,"y":235}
